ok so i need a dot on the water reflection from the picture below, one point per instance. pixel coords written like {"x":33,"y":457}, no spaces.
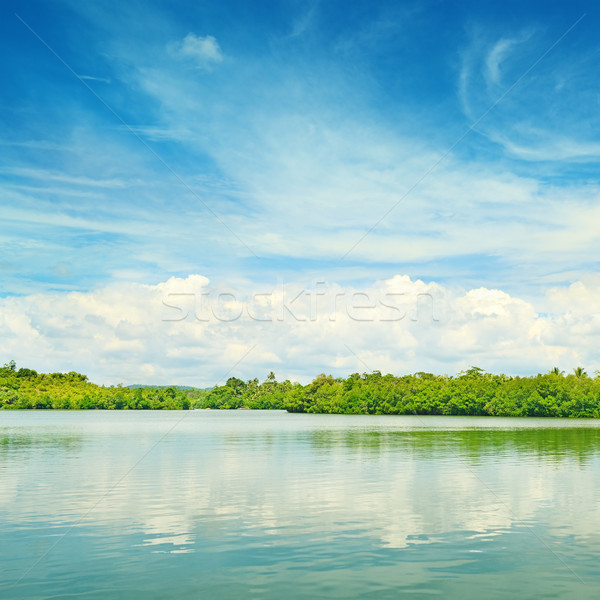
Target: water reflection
{"x":553,"y":444}
{"x":292,"y":493}
{"x":17,"y":443}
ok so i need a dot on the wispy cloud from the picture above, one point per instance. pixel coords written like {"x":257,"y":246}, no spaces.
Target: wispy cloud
{"x":302,"y":183}
{"x":496,"y":55}
{"x":203,"y":51}
{"x":155,"y":133}
{"x":36,"y":144}
{"x":92,"y":78}
{"x":500,"y":53}
{"x":45,"y":175}
{"x":541,"y":120}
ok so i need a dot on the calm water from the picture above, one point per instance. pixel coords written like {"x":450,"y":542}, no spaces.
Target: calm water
{"x":244,"y":504}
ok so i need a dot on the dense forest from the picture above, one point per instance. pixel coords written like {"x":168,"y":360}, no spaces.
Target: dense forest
{"x":25,"y":388}
{"x":473,"y":392}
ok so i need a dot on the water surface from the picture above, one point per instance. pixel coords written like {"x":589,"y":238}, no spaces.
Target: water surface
{"x":250,"y":504}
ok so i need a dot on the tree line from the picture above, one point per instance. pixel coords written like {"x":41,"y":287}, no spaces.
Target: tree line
{"x":27,"y":389}
{"x":472,"y":392}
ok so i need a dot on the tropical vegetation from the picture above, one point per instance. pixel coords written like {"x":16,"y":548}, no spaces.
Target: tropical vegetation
{"x":473,"y":392}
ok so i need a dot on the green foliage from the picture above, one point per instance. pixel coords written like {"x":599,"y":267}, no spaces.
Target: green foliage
{"x":27,"y":389}
{"x":251,"y":395}
{"x":472,"y":392}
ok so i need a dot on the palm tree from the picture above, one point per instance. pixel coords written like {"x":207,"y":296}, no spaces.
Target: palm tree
{"x":579,"y":372}
{"x":556,"y":371}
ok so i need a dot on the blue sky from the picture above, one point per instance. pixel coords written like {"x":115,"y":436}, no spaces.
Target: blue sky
{"x":263,"y":140}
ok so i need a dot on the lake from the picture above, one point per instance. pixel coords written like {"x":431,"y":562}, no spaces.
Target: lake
{"x":251,"y":504}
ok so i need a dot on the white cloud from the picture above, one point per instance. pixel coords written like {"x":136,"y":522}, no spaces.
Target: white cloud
{"x":190,"y":332}
{"x":547,"y":147}
{"x":92,"y":78}
{"x":46,"y":175}
{"x":306,"y":180}
{"x":308,"y":172}
{"x":496,"y":56}
{"x":205,"y":51}
{"x":539,"y":120}
{"x":331,"y":179}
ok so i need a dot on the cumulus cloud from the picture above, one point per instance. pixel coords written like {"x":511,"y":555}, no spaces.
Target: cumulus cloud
{"x":204,"y":51}
{"x":188,"y":331}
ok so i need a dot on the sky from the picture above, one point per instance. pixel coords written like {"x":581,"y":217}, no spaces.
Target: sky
{"x":195,"y":190}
